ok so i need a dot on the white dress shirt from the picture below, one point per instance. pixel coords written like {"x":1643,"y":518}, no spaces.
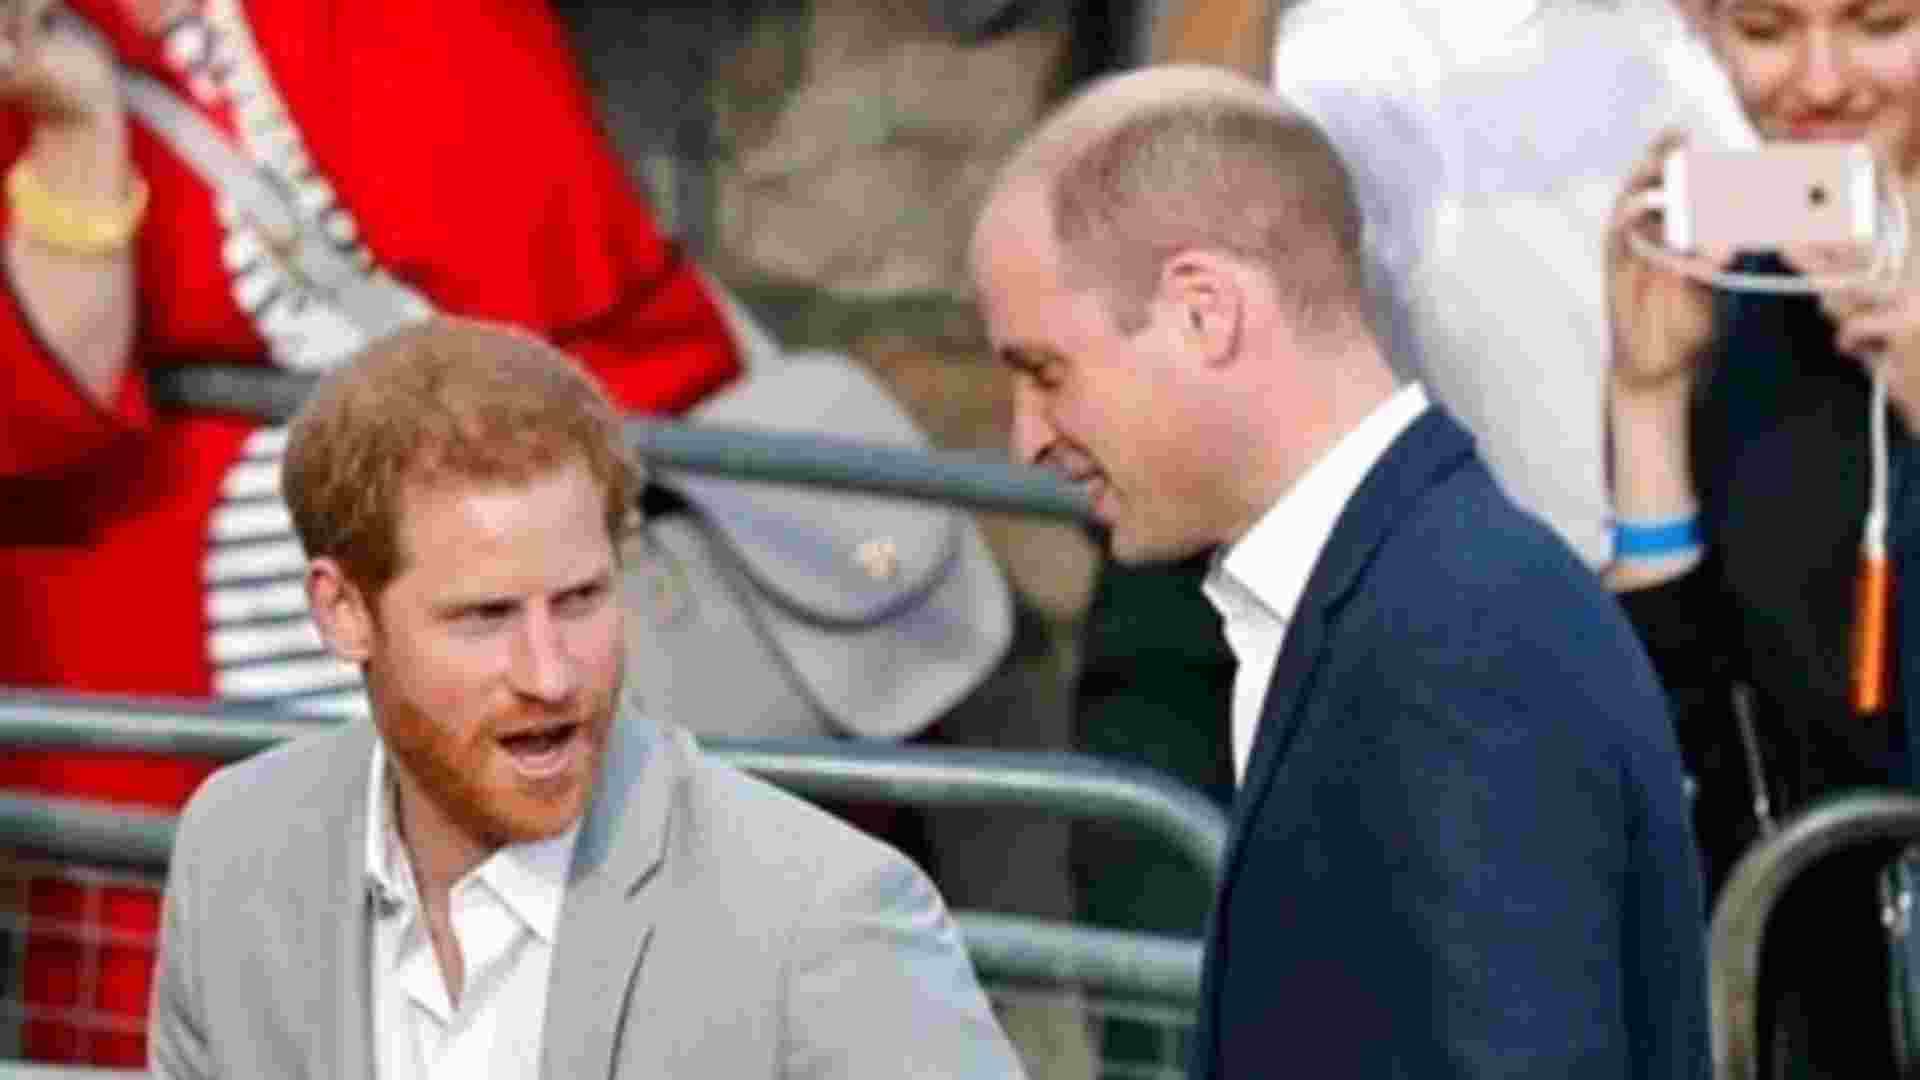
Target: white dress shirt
{"x":1488,"y":140}
{"x":505,"y":913}
{"x":1256,"y":583}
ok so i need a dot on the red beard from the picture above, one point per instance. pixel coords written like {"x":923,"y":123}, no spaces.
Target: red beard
{"x":470,"y":777}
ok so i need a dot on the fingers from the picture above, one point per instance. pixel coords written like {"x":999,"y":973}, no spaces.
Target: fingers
{"x":1652,"y":167}
{"x":1631,"y":210}
{"x":1847,"y":291}
{"x":1873,"y":333}
{"x":30,"y":22}
{"x":1882,"y":327}
{"x":14,"y":18}
{"x":23,"y":33}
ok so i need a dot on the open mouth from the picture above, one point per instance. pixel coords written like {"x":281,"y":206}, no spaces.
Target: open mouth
{"x":545,"y":751}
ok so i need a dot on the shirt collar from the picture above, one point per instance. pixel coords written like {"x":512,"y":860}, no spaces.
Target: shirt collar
{"x":529,"y":878}
{"x":1269,"y":566}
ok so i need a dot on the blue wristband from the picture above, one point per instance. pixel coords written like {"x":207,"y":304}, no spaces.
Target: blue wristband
{"x":1653,"y":539}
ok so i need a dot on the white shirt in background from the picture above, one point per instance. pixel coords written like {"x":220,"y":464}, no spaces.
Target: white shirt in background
{"x":1488,"y":140}
{"x":1256,"y":583}
{"x":506,"y":912}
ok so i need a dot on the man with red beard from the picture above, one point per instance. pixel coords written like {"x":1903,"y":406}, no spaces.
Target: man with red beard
{"x":512,"y":872}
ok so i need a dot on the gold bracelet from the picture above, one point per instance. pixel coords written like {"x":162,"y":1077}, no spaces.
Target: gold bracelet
{"x":74,"y":228}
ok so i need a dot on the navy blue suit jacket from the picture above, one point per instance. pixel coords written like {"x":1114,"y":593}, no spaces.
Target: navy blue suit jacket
{"x":1462,"y":848}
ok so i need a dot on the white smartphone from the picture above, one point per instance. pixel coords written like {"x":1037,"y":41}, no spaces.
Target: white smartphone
{"x":1782,"y":195}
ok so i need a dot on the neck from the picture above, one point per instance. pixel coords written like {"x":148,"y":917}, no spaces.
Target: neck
{"x":440,"y":851}
{"x":1335,"y":396}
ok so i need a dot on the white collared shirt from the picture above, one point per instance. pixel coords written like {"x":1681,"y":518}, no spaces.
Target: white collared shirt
{"x":1488,"y":141}
{"x":1256,"y":583}
{"x":505,"y":914}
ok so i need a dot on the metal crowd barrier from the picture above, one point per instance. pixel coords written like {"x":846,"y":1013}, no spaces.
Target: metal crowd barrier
{"x":1756,"y":885}
{"x":1077,"y":785}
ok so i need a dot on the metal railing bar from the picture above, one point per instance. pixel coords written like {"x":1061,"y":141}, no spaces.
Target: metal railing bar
{"x":1110,"y":962}
{"x":1056,"y":782}
{"x":116,"y":836}
{"x":972,"y":480}
{"x":1755,"y":886}
{"x":54,"y":720}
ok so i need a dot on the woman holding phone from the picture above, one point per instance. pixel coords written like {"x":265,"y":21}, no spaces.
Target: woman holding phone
{"x":1741,"y":472}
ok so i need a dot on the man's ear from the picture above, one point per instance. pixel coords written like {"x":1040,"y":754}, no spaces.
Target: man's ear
{"x":341,"y":610}
{"x":1205,"y":292}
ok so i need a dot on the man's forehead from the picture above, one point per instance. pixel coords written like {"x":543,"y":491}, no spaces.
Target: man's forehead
{"x":434,"y":500}
{"x":1017,"y":220}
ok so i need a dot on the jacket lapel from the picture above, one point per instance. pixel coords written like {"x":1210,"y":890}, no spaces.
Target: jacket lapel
{"x":1431,"y":447}
{"x":608,"y":916}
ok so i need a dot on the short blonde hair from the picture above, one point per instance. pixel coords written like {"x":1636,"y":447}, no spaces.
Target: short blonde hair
{"x":449,"y":401}
{"x":1141,"y":166}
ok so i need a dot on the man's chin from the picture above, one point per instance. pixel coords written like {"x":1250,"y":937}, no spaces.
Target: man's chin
{"x":1130,"y":548}
{"x":531,"y":824}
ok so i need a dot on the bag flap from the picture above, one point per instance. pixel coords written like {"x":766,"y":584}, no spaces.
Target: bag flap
{"x":827,"y":556}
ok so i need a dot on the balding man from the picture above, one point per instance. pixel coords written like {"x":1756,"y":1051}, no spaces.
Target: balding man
{"x":1460,"y":846}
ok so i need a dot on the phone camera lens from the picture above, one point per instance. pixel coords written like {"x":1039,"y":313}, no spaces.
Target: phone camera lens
{"x":1817,"y":196}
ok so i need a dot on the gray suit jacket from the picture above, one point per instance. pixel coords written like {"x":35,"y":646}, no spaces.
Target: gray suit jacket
{"x":714,"y":926}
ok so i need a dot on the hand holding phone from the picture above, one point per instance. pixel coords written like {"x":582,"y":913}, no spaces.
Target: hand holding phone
{"x":1659,"y":307}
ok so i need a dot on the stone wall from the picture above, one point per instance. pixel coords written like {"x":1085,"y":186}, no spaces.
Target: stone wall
{"x":826,"y":159}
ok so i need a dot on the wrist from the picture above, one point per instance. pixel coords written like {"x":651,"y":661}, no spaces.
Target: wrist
{"x":1649,"y":551}
{"x":1652,"y":476}
{"x":90,"y":221}
{"x":1671,"y":389}
{"x":83,"y":156}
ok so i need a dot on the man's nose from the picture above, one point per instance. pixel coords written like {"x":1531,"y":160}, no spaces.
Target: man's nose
{"x":1032,"y":432}
{"x":542,"y":667}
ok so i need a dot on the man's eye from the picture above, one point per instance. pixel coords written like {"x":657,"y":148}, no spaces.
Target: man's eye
{"x":484,"y":614}
{"x":1759,"y":30}
{"x":1885,"y":23}
{"x":581,"y":600}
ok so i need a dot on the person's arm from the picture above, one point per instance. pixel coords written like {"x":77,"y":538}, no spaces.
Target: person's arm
{"x":879,"y":986}
{"x":1661,"y":327}
{"x":1652,"y":480}
{"x":82,"y":306}
{"x":67,"y":320}
{"x":1521,"y":846}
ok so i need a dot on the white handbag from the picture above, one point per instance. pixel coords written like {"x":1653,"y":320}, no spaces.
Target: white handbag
{"x":759,"y":610}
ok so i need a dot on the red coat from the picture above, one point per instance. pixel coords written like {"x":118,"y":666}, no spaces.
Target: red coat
{"x":464,"y":141}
